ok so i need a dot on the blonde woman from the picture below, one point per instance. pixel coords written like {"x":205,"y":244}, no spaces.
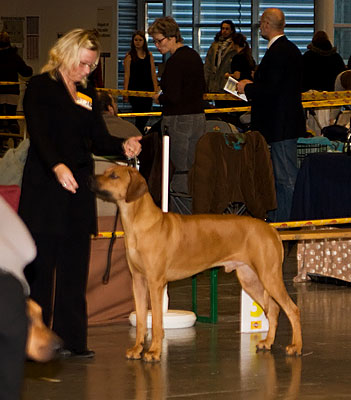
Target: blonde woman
{"x":65,"y":127}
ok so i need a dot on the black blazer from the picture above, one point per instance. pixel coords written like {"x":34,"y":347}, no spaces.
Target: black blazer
{"x":276,"y":109}
{"x":60,"y":131}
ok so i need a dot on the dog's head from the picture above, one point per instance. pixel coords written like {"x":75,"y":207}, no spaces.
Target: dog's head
{"x":119,"y":183}
{"x":42,"y":343}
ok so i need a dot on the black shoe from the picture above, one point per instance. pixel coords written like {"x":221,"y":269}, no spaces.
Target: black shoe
{"x":65,"y":353}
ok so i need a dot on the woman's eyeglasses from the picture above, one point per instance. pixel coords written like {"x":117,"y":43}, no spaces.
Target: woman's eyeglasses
{"x":91,"y":66}
{"x":159,"y":41}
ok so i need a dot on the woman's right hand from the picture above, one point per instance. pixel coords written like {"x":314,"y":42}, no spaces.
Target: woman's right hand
{"x":65,"y":177}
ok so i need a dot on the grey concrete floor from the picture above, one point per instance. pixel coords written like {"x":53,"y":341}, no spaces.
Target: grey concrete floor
{"x":214,"y":361}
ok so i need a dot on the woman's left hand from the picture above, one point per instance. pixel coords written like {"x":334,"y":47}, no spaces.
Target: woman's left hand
{"x":132,"y":146}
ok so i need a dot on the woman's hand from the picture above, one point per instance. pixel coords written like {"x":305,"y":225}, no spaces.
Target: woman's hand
{"x":240,"y":87}
{"x":132,"y":146}
{"x":65,"y":177}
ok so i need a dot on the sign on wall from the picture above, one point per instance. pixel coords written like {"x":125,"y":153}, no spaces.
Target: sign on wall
{"x":104,"y":27}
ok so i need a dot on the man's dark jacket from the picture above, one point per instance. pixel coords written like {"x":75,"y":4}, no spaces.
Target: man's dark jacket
{"x":276,"y":109}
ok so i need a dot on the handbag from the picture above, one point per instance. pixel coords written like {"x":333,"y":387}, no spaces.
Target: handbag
{"x":335,"y":131}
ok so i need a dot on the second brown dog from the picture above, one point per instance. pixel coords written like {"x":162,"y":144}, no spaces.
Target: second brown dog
{"x":163,"y":247}
{"x":42,"y":342}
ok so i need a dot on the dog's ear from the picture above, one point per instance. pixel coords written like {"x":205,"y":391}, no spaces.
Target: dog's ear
{"x":137,"y":186}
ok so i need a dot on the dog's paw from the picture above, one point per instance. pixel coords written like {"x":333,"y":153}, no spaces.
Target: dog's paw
{"x":152,"y":356}
{"x":263,"y":345}
{"x":134,"y":353}
{"x":293,"y":350}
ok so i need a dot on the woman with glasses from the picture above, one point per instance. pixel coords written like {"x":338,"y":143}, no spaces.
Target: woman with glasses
{"x":183,"y":86}
{"x":140,"y":74}
{"x":65,"y":128}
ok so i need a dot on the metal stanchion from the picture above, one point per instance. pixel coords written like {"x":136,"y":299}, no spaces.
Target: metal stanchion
{"x":172,"y":319}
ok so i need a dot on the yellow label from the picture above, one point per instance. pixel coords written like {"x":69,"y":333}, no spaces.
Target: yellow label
{"x":256,"y":325}
{"x":258,"y":312}
{"x":84,"y":101}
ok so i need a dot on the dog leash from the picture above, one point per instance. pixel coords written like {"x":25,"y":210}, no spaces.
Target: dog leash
{"x":132,"y":162}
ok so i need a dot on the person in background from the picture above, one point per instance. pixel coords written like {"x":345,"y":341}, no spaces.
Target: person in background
{"x":11,"y":64}
{"x":65,"y":127}
{"x":116,"y":126}
{"x":242,"y":65}
{"x":183,"y":87}
{"x":219,"y":57}
{"x":321,"y":64}
{"x":140,"y":74}
{"x":276,"y":109}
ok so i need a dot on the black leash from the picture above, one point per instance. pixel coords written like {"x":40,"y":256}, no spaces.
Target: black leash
{"x":134,"y":162}
{"x":106,"y":276}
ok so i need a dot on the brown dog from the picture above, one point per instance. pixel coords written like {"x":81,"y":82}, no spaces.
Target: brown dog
{"x":164,"y":247}
{"x":42,"y":343}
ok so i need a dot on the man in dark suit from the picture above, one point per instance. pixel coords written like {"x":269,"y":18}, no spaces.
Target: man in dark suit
{"x":276,"y":106}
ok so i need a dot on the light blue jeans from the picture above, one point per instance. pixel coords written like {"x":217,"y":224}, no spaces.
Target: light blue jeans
{"x":184,"y":132}
{"x":284,"y":160}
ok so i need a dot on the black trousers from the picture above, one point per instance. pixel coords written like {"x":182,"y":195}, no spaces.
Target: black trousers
{"x":13,"y":336}
{"x":139,"y":105}
{"x":58,"y":280}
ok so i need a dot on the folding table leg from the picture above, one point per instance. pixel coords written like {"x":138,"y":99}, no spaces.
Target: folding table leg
{"x":213,"y":317}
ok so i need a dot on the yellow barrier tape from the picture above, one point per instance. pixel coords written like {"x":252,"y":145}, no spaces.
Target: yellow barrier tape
{"x":278,"y":225}
{"x":315,"y":95}
{"x":11,"y":83}
{"x":11,"y":117}
{"x":313,"y":222}
{"x":108,"y":235}
{"x":207,"y":111}
{"x":139,"y":93}
{"x":306,"y":96}
{"x":311,"y":104}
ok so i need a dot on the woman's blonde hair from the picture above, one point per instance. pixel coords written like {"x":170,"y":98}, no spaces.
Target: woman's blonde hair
{"x":66,"y":51}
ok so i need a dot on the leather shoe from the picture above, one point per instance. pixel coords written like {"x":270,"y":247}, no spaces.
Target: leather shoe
{"x":65,"y":353}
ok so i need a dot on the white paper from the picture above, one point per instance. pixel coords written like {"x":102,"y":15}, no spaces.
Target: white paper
{"x":230,"y":87}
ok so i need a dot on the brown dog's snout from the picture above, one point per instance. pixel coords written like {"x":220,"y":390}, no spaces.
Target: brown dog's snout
{"x":42,"y":343}
{"x":95,"y":186}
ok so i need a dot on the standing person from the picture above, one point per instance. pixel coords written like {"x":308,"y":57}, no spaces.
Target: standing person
{"x":276,"y":105}
{"x":11,"y":64}
{"x":65,"y":127}
{"x":321,"y":64}
{"x":140,"y":74}
{"x":242,"y":65}
{"x":183,"y":86}
{"x":219,"y":57}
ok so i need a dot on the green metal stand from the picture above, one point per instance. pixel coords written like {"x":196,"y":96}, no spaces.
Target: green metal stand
{"x":213,"y":298}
